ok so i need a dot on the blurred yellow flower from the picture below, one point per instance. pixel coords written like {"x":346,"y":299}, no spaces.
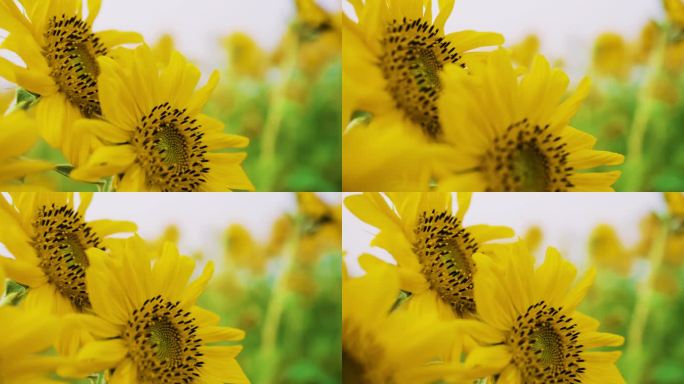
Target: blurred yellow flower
{"x":245,"y":57}
{"x":48,"y":236}
{"x":382,"y":345}
{"x":611,"y":57}
{"x":24,"y":337}
{"x":648,"y":37}
{"x":281,"y":231}
{"x":513,"y":134}
{"x":675,"y":204}
{"x":158,"y":139}
{"x":432,"y":247}
{"x":131,"y":293}
{"x":18,"y":134}
{"x":651,"y":36}
{"x":56,"y":43}
{"x":315,"y":35}
{"x":399,"y":51}
{"x":243,"y":251}
{"x":369,"y":163}
{"x":607,"y":251}
{"x":530,"y":322}
{"x":675,"y":11}
{"x":524,"y":52}
{"x":652,"y":224}
{"x":320,"y":227}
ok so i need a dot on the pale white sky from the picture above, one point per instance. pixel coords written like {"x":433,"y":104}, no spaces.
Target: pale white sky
{"x":198,"y":25}
{"x":201,"y":218}
{"x":567,"y":28}
{"x":566,"y":219}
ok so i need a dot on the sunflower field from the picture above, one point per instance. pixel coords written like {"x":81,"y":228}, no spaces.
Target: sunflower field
{"x":90,"y":300}
{"x":86,"y":109}
{"x":469,"y":110}
{"x":429,"y":299}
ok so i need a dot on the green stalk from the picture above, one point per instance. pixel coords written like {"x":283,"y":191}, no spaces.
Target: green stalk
{"x":642,"y":115}
{"x":274,"y":119}
{"x":642,"y":306}
{"x":274,"y":314}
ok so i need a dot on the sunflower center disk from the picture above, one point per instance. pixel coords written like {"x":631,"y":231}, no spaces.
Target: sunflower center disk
{"x":71,"y":51}
{"x":170,"y":150}
{"x":162,"y":343}
{"x":445,"y":250}
{"x":527,"y":158}
{"x":545,"y":346}
{"x":61,"y":241}
{"x":412,"y":59}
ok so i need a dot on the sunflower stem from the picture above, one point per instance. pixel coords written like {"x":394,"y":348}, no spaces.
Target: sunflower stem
{"x":274,"y":313}
{"x":645,"y":103}
{"x":643,"y":306}
{"x":274,"y":119}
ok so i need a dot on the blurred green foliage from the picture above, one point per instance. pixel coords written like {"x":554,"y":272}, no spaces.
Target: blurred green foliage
{"x":309,"y":337}
{"x":308,"y":143}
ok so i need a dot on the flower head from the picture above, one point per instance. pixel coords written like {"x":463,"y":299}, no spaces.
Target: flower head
{"x":57,"y":44}
{"x":158,"y":139}
{"x":431,"y":245}
{"x":147,"y":325}
{"x":399,"y":51}
{"x":529,"y":321}
{"x":48,"y":236}
{"x":511,"y":134}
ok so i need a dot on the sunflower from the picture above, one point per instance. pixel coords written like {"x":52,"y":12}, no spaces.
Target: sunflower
{"x":611,"y":57}
{"x":158,"y":138}
{"x":147,"y":325}
{"x":48,"y":235}
{"x":319,"y":36}
{"x":243,"y":251}
{"x":24,"y":336}
{"x":18,"y":134}
{"x":320,"y":226}
{"x":383,"y":345}
{"x":398,"y":53}
{"x":606,"y":250}
{"x":431,"y":245}
{"x":60,"y":50}
{"x":652,"y":224}
{"x":511,"y":135}
{"x":281,"y":231}
{"x":245,"y":57}
{"x":529,"y":320}
{"x":675,"y":11}
{"x":370,"y":164}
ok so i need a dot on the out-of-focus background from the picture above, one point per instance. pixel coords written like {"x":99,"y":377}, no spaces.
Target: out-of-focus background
{"x":278,"y":276}
{"x":280,"y":66}
{"x":567,"y":220}
{"x":566,"y":29}
{"x":634,"y":240}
